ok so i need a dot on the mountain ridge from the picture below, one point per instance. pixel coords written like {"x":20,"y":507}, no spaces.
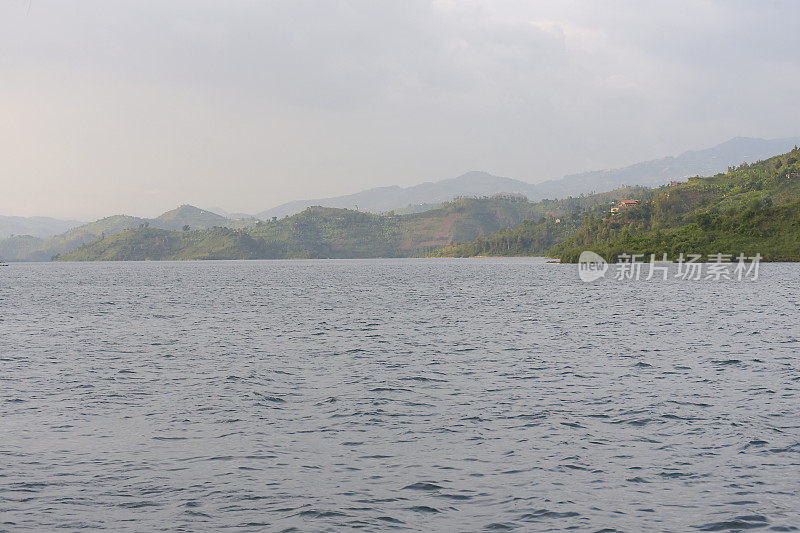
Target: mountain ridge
{"x":41,"y":227}
{"x":471,"y":184}
{"x":393,"y":197}
{"x":329,"y":232}
{"x":31,"y":248}
{"x":659,"y":171}
{"x":750,"y":209}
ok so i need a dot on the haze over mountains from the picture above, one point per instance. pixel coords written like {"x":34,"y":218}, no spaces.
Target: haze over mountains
{"x":752,"y":208}
{"x":31,"y":248}
{"x":34,"y":226}
{"x":656,"y":172}
{"x":328,"y":232}
{"x":40,"y":238}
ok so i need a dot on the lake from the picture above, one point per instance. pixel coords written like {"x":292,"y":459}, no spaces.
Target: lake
{"x":451,"y":395}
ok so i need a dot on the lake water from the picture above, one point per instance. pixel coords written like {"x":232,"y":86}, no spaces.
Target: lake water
{"x":449,"y":395}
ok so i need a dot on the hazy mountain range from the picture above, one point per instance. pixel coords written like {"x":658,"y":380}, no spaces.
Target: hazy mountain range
{"x":34,"y":226}
{"x":727,"y":211}
{"x":656,"y":172}
{"x":329,"y":232}
{"x":706,"y":162}
{"x":31,"y":248}
{"x":384,"y":199}
{"x":40,"y":238}
{"x":750,"y":210}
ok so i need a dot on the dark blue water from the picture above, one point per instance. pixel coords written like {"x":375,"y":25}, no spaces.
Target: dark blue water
{"x":395,"y":394}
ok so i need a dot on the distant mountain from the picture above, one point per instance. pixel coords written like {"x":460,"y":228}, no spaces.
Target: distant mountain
{"x":188,"y":215}
{"x":660,"y":171}
{"x":34,"y":226}
{"x":27,"y":248}
{"x":384,"y":199}
{"x":227,"y":214}
{"x":31,"y":248}
{"x":656,"y":172}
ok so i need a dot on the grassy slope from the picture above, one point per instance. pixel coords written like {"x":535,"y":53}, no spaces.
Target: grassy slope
{"x":141,"y":244}
{"x":44,"y":249}
{"x":188,"y":215}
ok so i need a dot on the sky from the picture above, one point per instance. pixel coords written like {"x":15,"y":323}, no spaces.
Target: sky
{"x":135,"y":107}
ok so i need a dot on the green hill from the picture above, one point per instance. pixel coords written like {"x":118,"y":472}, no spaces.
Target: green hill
{"x":323,"y":232}
{"x":142,"y":244}
{"x":27,"y":248}
{"x":554,"y":221}
{"x":189,"y":215}
{"x":754,"y":208}
{"x":35,"y":249}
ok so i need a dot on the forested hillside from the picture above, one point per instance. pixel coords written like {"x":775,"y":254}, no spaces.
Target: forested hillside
{"x":754,"y":208}
{"x":559,"y":220}
{"x":27,"y":248}
{"x":324,"y":232}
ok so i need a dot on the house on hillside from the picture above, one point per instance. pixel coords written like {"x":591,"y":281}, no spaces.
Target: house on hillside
{"x":625,"y":204}
{"x":674,"y":183}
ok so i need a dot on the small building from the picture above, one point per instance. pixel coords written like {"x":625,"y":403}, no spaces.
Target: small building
{"x":625,"y":204}
{"x":615,"y":209}
{"x":674,"y":183}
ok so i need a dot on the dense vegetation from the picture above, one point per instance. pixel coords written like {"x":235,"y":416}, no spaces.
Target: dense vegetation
{"x":753,"y":208}
{"x":559,"y":220}
{"x":750,"y":209}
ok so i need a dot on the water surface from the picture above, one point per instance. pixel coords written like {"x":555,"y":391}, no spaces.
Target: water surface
{"x":395,"y":394}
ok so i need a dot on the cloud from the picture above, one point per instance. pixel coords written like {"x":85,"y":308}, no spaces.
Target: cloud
{"x":247,"y":104}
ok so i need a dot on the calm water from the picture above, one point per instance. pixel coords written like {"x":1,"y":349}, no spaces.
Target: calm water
{"x":426,"y":395}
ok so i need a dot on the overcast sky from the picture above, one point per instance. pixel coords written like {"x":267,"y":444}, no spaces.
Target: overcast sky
{"x":137,"y":106}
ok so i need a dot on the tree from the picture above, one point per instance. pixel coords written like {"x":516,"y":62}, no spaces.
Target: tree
{"x":186,"y":227}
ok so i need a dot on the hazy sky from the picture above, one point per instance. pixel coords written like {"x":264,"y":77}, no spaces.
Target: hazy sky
{"x":137,"y":106}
